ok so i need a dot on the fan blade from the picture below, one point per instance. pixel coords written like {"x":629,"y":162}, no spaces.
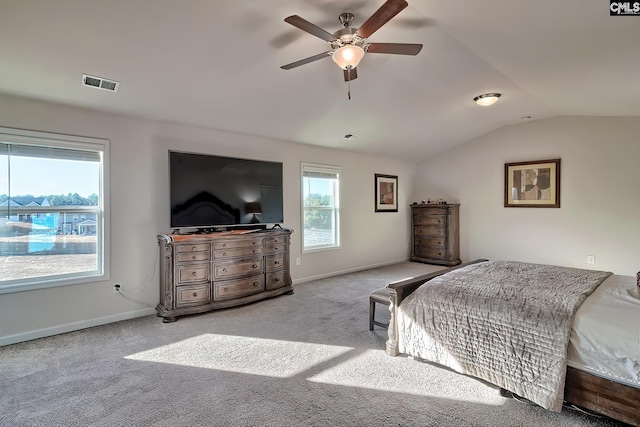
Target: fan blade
{"x":307,"y":60}
{"x":353,"y":74}
{"x":381,"y":16}
{"x":310,"y":28}
{"x":395,"y":48}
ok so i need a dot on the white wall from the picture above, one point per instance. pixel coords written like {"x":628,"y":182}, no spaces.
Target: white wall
{"x":140,"y":210}
{"x":600,"y":193}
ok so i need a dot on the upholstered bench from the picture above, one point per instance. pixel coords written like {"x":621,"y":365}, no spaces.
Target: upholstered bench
{"x":380,"y":296}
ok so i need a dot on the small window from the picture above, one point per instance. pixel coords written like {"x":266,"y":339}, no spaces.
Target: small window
{"x":47,"y":182}
{"x":320,"y":207}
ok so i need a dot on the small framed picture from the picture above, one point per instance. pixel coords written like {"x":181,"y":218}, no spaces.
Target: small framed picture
{"x":386,"y":189}
{"x":533,"y":184}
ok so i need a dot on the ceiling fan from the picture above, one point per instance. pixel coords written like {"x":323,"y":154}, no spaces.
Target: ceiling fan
{"x":348,"y":45}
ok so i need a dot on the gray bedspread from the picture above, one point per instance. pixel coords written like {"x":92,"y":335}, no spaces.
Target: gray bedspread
{"x":504,"y":322}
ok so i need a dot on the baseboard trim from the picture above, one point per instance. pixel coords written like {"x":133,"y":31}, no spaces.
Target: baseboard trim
{"x":349,"y":270}
{"x":74,"y":326}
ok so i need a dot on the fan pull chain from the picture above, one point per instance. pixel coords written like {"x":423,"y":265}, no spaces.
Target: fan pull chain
{"x":349,"y":83}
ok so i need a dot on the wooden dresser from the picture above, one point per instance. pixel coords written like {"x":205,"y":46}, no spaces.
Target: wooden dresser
{"x":435,"y":237}
{"x":203,"y":272}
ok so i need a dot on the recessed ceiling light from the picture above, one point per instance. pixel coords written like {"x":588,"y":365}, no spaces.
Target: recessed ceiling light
{"x":526,"y":118}
{"x":350,"y":136}
{"x":487,"y":99}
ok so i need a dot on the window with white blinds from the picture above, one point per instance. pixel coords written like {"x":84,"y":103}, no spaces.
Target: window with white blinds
{"x":52,"y":204}
{"x":320,"y":207}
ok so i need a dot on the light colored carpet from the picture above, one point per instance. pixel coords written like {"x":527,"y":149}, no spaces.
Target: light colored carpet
{"x":306,"y":359}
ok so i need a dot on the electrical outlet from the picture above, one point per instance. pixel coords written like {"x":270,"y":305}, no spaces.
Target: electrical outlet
{"x":298,"y":261}
{"x":116,"y":288}
{"x":591,"y":259}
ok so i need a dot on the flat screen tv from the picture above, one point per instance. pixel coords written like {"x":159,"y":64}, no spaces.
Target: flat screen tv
{"x":208,"y":191}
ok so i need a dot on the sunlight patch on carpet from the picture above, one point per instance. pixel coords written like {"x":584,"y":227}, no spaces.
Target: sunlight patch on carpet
{"x":407,"y":376}
{"x":246,"y":355}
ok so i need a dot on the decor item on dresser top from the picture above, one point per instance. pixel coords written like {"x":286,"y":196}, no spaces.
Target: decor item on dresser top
{"x":386,"y":193}
{"x":435,"y":236}
{"x":204,"y":272}
{"x":534,"y":184}
{"x":546,"y":333}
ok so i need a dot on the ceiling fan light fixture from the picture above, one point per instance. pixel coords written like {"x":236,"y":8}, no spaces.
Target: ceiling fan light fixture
{"x":348,"y":56}
{"x":487,"y":99}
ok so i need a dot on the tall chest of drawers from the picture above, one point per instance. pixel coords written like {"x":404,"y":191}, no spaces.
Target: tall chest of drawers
{"x":204,"y":272}
{"x":435,"y":236}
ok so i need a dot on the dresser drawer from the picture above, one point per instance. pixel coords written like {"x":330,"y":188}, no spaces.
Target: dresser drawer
{"x":188,"y":273}
{"x":242,"y":251}
{"x":274,"y":262}
{"x":276,"y":279}
{"x":429,"y":231}
{"x":430,"y":210}
{"x":222,"y":270}
{"x":279,"y":240}
{"x":193,"y":295}
{"x":231,"y":289}
{"x":431,"y":253}
{"x":434,"y":242}
{"x":192,"y":256}
{"x":194,"y":247}
{"x":243,"y":243}
{"x":430,"y":221}
{"x":272,"y":248}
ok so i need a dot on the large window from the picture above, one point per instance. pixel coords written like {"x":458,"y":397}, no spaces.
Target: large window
{"x":320,"y":207}
{"x":52,"y":204}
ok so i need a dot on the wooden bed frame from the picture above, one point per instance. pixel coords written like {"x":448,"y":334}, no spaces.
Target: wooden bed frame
{"x":587,"y":391}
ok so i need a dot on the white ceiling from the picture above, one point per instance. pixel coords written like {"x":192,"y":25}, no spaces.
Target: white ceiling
{"x":216,"y":64}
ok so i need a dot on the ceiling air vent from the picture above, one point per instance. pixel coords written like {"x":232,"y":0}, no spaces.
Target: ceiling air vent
{"x":100,"y":83}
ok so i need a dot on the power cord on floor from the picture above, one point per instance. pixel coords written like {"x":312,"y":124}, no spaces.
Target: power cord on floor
{"x":127,"y":294}
{"x":566,"y":405}
{"x":584,"y":411}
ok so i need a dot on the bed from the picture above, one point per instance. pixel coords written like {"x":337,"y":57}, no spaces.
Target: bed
{"x":550,"y":334}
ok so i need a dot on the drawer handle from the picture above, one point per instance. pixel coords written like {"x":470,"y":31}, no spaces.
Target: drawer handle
{"x":224,"y":245}
{"x":195,"y":294}
{"x":254,"y":243}
{"x":254,"y":251}
{"x":275,"y":248}
{"x":224,"y":254}
{"x":193,"y":273}
{"x":224,"y":270}
{"x":255,"y":283}
{"x":276,"y":262}
{"x":277,"y":279}
{"x":193,"y":248}
{"x":255,"y":266}
{"x":226,"y":289}
{"x":193,"y":257}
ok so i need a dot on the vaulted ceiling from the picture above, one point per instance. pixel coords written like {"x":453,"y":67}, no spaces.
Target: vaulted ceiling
{"x":216,"y":64}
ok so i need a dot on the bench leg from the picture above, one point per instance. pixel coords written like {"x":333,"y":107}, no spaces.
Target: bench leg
{"x":372,"y":312}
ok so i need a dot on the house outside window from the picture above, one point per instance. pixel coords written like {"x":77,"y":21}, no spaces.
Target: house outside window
{"x":320,"y":207}
{"x":47,"y":182}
